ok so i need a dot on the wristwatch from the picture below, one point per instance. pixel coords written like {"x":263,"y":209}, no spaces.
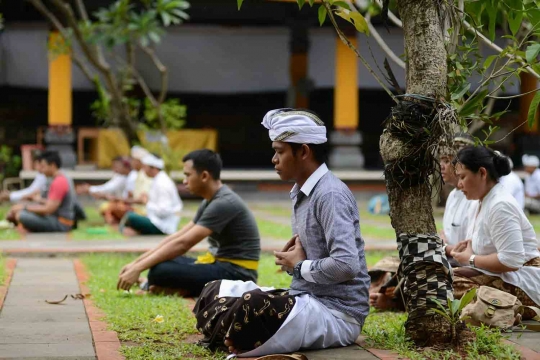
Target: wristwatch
{"x":471,"y":260}
{"x":297,"y":271}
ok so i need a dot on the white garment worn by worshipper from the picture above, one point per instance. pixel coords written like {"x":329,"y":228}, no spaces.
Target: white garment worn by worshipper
{"x":301,"y":330}
{"x":299,"y":127}
{"x":39,"y":184}
{"x":138,"y":153}
{"x":501,"y":227}
{"x":455,"y":219}
{"x":115,"y":186}
{"x":164,"y":204}
{"x":532,"y":183}
{"x":514,"y":185}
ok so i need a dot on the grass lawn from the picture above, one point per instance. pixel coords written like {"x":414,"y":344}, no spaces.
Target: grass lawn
{"x":385,"y":330}
{"x":142,"y":338}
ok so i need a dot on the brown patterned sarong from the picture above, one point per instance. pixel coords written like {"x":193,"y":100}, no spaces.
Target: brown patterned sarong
{"x":467,"y":278}
{"x":248,"y":321}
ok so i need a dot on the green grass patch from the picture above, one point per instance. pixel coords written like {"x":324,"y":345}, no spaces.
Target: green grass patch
{"x":385,"y":330}
{"x":275,"y":210}
{"x":270,"y":229}
{"x":132,"y":316}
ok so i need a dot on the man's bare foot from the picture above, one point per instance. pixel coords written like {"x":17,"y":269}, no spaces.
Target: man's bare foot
{"x":158,"y":290}
{"x":231,"y":347}
{"x":381,"y":301}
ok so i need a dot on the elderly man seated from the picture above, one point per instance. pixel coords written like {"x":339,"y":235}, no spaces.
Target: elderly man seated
{"x":162,"y":207}
{"x":57,"y":213}
{"x":222,"y":217}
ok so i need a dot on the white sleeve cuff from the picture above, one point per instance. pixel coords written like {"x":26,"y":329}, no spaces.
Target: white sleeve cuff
{"x":306,"y":271}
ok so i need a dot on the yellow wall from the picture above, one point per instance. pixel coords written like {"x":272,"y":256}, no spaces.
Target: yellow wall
{"x":60,"y":108}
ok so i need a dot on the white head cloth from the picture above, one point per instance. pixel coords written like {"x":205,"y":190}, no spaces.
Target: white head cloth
{"x":294,"y":126}
{"x":151,"y":160}
{"x":530,"y":160}
{"x":138,"y":152}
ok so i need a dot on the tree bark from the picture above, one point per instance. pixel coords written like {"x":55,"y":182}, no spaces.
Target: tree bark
{"x":408,"y":188}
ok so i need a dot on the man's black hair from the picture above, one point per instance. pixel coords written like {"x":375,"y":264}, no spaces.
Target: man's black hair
{"x":205,"y":160}
{"x":52,"y":157}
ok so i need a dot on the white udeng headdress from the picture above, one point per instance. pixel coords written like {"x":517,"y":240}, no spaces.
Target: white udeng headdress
{"x":138,"y":152}
{"x":151,"y":160}
{"x":295,"y":126}
{"x":530,"y":160}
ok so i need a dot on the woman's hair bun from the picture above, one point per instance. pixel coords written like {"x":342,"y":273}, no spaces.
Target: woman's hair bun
{"x":501,"y":163}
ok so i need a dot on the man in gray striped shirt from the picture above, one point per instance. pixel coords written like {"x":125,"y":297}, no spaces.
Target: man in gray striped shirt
{"x":328,"y":299}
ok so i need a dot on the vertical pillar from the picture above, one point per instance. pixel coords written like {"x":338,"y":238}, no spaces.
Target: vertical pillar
{"x":346,"y":87}
{"x":527,"y":83}
{"x":298,"y":95}
{"x":60,"y":98}
{"x":345,"y":139}
{"x":60,"y":136}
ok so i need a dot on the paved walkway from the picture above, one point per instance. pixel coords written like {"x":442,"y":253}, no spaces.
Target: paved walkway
{"x":32,"y":329}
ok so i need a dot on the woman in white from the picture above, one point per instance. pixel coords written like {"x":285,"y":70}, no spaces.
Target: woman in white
{"x":502,"y":248}
{"x":455,"y":219}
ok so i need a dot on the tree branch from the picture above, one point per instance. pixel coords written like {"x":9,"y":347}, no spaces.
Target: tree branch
{"x":82,"y":10}
{"x":495,"y":47}
{"x":391,"y":54}
{"x":391,"y":15}
{"x":94,"y":55}
{"x":353,"y":48}
{"x":38,"y":4}
{"x":162,"y":70}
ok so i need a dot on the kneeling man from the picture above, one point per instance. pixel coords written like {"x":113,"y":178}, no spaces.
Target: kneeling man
{"x":222,"y":217}
{"x":328,"y":299}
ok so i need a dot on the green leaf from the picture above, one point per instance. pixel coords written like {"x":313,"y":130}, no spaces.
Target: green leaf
{"x":533,"y":109}
{"x":443,"y":313}
{"x":454,"y":306}
{"x":301,"y":3}
{"x":342,"y":4}
{"x":471,"y":104}
{"x":311,"y":2}
{"x":532,"y":52}
{"x":322,"y":15}
{"x":489,"y":61}
{"x":491,"y":8}
{"x":344,"y":15}
{"x":461,"y":91}
{"x":359,"y":22}
{"x":239,"y":2}
{"x":467,"y":298}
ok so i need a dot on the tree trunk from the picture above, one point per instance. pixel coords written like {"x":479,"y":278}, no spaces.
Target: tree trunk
{"x":407,"y":151}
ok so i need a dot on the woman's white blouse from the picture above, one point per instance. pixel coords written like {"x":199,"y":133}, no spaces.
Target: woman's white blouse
{"x":455,"y":219}
{"x":498,"y":225}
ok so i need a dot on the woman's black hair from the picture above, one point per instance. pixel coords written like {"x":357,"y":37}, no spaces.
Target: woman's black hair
{"x":475,"y":157}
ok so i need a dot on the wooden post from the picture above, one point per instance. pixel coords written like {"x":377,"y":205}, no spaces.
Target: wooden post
{"x":528,"y":83}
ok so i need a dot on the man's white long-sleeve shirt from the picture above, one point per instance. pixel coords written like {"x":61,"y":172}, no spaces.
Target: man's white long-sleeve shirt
{"x":39,"y":184}
{"x":164,"y":204}
{"x":115,"y":186}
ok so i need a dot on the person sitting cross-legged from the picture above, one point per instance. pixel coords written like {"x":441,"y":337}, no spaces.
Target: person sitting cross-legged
{"x":57,"y":214}
{"x":162,"y":207}
{"x":222,"y":217}
{"x":327,"y":302}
